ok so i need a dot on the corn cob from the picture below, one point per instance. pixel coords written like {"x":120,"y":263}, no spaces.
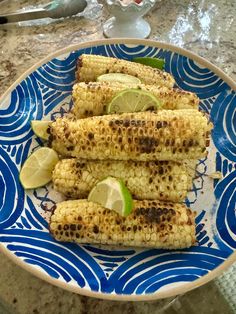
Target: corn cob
{"x":89,"y":67}
{"x":162,"y":180}
{"x":91,"y":99}
{"x":151,"y":224}
{"x":190,"y":166}
{"x":143,"y":136}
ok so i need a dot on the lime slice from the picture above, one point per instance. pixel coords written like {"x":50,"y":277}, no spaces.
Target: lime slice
{"x":152,"y":62}
{"x":40,"y":128}
{"x":38,"y":167}
{"x":133,"y":100}
{"x":112,"y":193}
{"x":118,"y":77}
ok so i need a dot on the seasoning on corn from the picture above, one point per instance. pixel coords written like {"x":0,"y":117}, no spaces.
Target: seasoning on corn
{"x":91,"y":99}
{"x":151,"y":224}
{"x":89,"y":67}
{"x":144,"y":136}
{"x":162,"y":180}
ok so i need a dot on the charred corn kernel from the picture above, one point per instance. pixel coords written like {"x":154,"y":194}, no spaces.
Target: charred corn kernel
{"x":91,"y":99}
{"x":89,"y":67}
{"x":151,"y":224}
{"x":176,"y":135}
{"x":162,"y":180}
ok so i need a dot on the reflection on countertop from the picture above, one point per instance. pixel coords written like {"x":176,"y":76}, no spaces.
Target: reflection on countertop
{"x":206,"y":27}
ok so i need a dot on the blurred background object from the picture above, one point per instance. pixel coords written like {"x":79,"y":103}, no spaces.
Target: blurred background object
{"x":55,"y":9}
{"x":127,"y":20}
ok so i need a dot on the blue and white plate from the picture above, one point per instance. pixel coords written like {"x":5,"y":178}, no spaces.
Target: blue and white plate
{"x":107,"y":272}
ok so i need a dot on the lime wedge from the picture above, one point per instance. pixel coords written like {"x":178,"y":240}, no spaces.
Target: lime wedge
{"x":38,"y":167}
{"x":112,"y":193}
{"x":132,"y":100}
{"x":152,"y":62}
{"x":118,"y":77}
{"x":40,"y":128}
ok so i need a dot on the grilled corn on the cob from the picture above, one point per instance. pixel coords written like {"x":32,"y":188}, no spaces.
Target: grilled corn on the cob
{"x":91,"y":99}
{"x":151,"y":224}
{"x":162,"y":180}
{"x":144,"y":136}
{"x":89,"y":67}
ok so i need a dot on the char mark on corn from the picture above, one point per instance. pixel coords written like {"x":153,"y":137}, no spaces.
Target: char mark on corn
{"x":91,"y":99}
{"x":151,"y":224}
{"x":143,"y":136}
{"x":89,"y":67}
{"x":162,"y":180}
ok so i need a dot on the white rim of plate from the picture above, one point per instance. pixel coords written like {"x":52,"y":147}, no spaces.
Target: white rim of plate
{"x":123,"y":297}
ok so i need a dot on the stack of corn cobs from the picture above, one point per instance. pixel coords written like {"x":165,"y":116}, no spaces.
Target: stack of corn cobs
{"x":150,"y":151}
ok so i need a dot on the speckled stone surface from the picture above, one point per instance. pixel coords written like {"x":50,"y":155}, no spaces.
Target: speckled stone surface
{"x":207,"y":28}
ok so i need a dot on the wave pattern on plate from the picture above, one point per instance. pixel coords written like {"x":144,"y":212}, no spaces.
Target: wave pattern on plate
{"x":25,"y":105}
{"x":11,"y":192}
{"x":225,"y":193}
{"x":159,"y":265}
{"x":58,"y":74}
{"x":223,"y":115}
{"x":189,"y":76}
{"x":24,"y":231}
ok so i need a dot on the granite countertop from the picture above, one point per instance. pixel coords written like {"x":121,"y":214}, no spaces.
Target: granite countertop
{"x":207,"y":28}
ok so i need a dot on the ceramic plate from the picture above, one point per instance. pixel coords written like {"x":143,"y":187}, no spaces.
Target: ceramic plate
{"x":117,"y":273}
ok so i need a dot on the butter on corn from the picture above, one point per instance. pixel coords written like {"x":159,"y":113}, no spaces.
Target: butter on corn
{"x":143,"y":136}
{"x":152,"y":224}
{"x":89,"y":67}
{"x":91,"y":99}
{"x":162,"y":180}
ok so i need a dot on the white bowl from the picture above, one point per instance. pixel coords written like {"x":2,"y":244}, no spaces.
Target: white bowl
{"x":127,"y":19}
